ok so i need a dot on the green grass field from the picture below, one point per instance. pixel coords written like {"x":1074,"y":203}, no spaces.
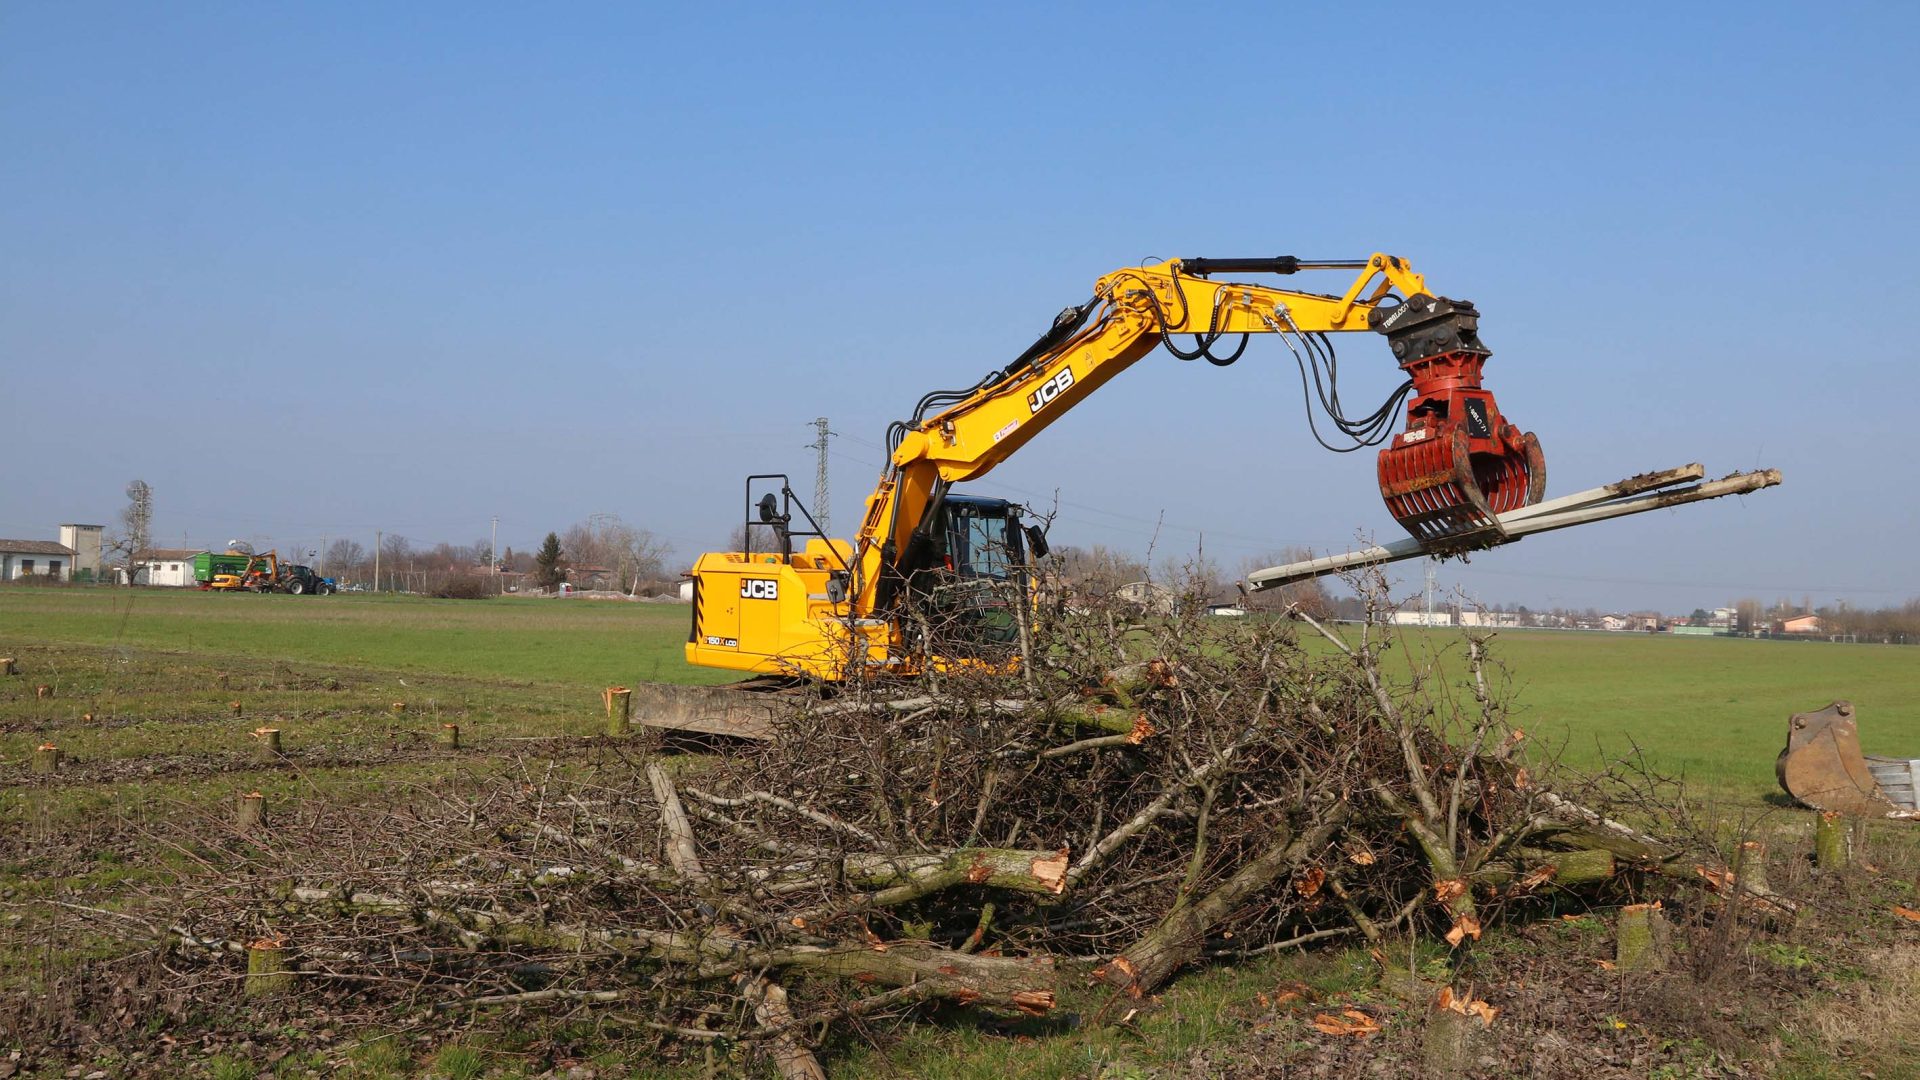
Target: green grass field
{"x":145,"y":682}
{"x":579,"y":642}
{"x":1711,"y":709}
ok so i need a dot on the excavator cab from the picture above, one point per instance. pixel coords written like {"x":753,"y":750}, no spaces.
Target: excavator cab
{"x":971,"y":573}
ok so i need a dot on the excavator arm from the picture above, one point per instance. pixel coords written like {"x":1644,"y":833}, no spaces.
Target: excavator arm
{"x":1445,"y":478}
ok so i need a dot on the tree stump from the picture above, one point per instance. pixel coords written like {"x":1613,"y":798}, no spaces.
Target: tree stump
{"x":619,"y":701}
{"x":1641,"y":941}
{"x":42,"y":692}
{"x":234,"y":706}
{"x":398,"y":707}
{"x":267,"y":749}
{"x":250,"y":812}
{"x":449,"y":736}
{"x":223,"y":680}
{"x":1832,"y":843}
{"x":7,"y":666}
{"x":1452,"y":1044}
{"x":268,"y":972}
{"x":46,"y":758}
{"x":1750,"y":866}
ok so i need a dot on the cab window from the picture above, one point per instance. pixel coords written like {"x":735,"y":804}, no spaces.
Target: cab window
{"x":978,"y":545}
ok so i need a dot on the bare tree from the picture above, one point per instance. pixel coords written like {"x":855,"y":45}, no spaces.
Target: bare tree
{"x":1096,"y":571}
{"x":133,"y":534}
{"x":396,"y":555}
{"x":633,"y":553}
{"x":345,"y":557}
{"x":1309,"y":596}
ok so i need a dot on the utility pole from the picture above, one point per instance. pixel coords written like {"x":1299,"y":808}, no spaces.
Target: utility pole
{"x":377,"y":534}
{"x":493,"y":554}
{"x":322,"y":560}
{"x":1432,"y":565}
{"x":822,"y":509}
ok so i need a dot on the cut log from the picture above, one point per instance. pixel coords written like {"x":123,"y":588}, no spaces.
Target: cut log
{"x":902,"y":879}
{"x":682,"y":854}
{"x":1537,"y":869}
{"x":768,"y":1000}
{"x":1181,"y":937}
{"x":1634,"y":495}
{"x":1025,"y":984}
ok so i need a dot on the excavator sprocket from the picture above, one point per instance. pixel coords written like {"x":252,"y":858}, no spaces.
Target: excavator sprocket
{"x":1823,"y":767}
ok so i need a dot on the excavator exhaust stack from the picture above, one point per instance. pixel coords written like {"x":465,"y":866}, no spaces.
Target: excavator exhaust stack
{"x":1459,"y":463}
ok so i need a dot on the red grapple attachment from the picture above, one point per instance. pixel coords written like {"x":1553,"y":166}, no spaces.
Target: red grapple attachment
{"x":1459,"y":463}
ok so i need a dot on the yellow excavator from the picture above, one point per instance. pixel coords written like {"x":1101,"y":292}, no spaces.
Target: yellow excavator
{"x":259,"y":575}
{"x":815,"y":608}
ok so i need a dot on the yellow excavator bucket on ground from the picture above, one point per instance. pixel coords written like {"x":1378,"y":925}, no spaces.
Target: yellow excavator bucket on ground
{"x":1824,"y":768}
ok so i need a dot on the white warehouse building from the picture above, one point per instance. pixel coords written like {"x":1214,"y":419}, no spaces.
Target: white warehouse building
{"x":27,"y":558}
{"x":166,"y":566}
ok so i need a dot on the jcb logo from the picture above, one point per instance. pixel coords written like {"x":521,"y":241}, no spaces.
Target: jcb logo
{"x":759,"y":589}
{"x":1049,"y":390}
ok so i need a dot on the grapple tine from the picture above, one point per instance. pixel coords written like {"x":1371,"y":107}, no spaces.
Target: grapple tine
{"x":1459,"y":464}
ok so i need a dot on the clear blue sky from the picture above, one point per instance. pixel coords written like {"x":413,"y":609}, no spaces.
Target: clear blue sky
{"x":329,"y":269}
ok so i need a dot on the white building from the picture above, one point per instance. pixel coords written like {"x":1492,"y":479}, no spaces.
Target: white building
{"x":165,"y":566}
{"x":1489,"y":618}
{"x":1423,"y":618}
{"x":85,"y":542}
{"x":26,"y":558}
{"x":1151,"y":598}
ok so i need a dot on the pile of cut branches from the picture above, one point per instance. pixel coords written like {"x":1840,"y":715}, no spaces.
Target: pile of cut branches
{"x":1139,"y":796}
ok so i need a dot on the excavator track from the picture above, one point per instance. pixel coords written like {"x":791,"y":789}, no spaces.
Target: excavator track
{"x":744,"y":710}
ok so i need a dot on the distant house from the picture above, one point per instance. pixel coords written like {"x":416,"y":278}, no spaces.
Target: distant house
{"x":165,"y":566}
{"x":505,"y":580}
{"x":1616,"y":622}
{"x":1151,"y":598}
{"x":592,"y":577}
{"x":1800,"y":624}
{"x":28,"y":558}
{"x":1423,"y":618}
{"x":1489,"y":618}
